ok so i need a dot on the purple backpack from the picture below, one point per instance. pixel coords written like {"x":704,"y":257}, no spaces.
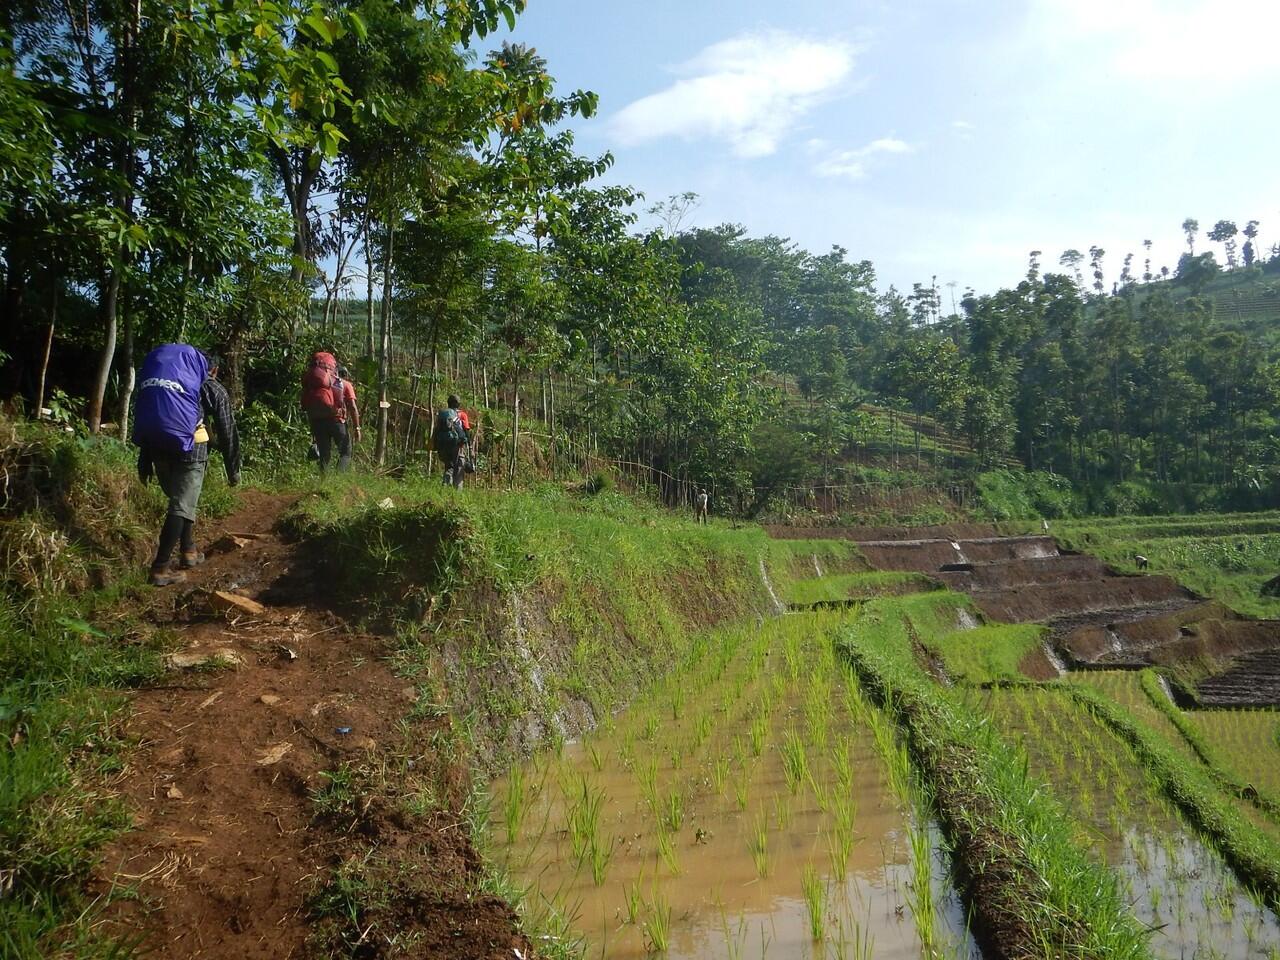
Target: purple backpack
{"x":169,"y":398}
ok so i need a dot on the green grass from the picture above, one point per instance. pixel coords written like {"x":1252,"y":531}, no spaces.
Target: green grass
{"x":987,"y":652}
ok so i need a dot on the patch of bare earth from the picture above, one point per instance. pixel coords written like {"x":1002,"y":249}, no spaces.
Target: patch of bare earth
{"x":227,"y":855}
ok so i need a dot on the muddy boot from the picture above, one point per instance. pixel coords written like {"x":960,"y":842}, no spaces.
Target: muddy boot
{"x":165,"y":576}
{"x":192,"y":559}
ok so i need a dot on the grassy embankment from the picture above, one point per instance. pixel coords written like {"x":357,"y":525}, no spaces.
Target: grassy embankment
{"x":523,"y":618}
{"x":75,"y":529}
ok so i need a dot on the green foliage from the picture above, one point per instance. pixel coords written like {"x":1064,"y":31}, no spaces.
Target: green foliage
{"x":1010,"y":495}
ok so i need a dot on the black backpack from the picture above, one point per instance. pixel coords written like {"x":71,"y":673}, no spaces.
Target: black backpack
{"x":449,"y":433}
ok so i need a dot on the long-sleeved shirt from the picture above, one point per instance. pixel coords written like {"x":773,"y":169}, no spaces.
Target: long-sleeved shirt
{"x":219,"y":421}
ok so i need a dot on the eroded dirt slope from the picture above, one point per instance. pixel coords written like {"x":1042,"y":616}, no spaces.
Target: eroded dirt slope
{"x":227,"y":854}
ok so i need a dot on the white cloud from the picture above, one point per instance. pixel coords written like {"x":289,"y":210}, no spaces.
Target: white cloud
{"x":749,"y":90}
{"x":1178,"y":42}
{"x":851,"y":163}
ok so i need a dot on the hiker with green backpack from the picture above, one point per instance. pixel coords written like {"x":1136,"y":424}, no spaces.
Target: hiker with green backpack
{"x":450,"y":437}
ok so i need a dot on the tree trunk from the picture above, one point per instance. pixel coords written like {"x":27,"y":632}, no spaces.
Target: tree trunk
{"x":384,"y":351}
{"x":48,"y":347}
{"x":107,"y":313}
{"x":515,"y":425}
{"x":368,"y":260}
{"x":128,"y":376}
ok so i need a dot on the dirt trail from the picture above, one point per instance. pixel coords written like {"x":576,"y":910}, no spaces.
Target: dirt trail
{"x":226,"y":852}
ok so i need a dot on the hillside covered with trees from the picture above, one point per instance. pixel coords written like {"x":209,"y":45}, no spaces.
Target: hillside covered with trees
{"x":266,"y":179}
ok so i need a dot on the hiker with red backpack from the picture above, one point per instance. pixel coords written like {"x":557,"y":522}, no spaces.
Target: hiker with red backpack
{"x":451,"y":438}
{"x":180,"y":402}
{"x":328,"y":398}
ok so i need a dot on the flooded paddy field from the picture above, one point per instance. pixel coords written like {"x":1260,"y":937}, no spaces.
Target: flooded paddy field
{"x":751,"y":804}
{"x":1176,"y":883}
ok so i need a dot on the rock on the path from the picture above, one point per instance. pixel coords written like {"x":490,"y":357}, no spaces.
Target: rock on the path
{"x":233,"y":603}
{"x":188,"y":659}
{"x":274,"y":754}
{"x":229,"y":543}
{"x":270,"y":699}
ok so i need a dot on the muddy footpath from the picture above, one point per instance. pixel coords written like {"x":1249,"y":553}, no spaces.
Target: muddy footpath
{"x":268,"y":690}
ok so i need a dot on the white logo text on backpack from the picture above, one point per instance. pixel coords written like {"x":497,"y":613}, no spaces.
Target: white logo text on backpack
{"x":163,"y":384}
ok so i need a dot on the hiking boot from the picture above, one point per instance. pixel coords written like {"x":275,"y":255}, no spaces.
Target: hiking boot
{"x":164,"y":577}
{"x":192,"y":559}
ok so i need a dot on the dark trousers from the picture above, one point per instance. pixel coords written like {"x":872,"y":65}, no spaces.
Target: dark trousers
{"x":328,"y":434}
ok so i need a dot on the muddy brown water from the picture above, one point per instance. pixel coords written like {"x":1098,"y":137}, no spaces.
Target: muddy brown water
{"x":721,"y":901}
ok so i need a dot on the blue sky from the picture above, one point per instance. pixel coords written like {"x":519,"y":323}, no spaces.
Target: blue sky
{"x":936,"y":137}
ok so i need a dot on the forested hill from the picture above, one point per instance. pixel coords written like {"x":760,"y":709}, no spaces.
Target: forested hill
{"x":389,"y":182}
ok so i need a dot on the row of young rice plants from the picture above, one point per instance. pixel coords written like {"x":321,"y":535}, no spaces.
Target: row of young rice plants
{"x":1235,"y":828}
{"x":1238,"y":759}
{"x":741,"y":807}
{"x":1177,"y":885}
{"x":1032,"y":891}
{"x":1245,"y":741}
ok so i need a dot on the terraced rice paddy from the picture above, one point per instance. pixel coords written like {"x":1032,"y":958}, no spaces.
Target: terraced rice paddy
{"x":1177,"y":885}
{"x":751,"y":805}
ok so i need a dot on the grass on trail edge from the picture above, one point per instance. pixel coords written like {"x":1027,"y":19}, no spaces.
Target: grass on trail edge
{"x":1254,"y":856}
{"x":1032,"y":893}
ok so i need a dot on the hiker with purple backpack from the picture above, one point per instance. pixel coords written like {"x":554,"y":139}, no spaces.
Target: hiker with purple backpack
{"x":182,"y":410}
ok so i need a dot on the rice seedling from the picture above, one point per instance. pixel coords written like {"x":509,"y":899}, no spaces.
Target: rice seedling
{"x":921,"y":887}
{"x":676,"y":700}
{"x":759,"y":733}
{"x":650,"y":729}
{"x":633,"y":903}
{"x":672,"y":813}
{"x":795,"y":762}
{"x":666,"y":848}
{"x":657,"y":925}
{"x":815,"y":900}
{"x":647,"y":774}
{"x":758,"y":845}
{"x":858,"y":945}
{"x":516,"y":802}
{"x":720,"y":775}
{"x":742,"y":788}
{"x":584,"y":819}
{"x":702,"y":729}
{"x":593,"y":754}
{"x":600,"y":854}
{"x":782,"y":812}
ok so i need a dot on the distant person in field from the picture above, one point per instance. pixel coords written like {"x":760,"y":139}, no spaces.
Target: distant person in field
{"x":1141,"y":561}
{"x":182,"y":409}
{"x":451,"y":437}
{"x":325,"y":395}
{"x":701,"y":503}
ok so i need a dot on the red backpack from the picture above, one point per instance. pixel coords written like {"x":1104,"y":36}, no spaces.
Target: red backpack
{"x":321,"y":389}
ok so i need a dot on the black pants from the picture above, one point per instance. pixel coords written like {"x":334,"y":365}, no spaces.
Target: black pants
{"x":327,"y":434}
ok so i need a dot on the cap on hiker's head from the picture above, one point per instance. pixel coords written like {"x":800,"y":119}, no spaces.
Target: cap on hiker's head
{"x":344,"y":373}
{"x":453,"y":401}
{"x":212,"y":359}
